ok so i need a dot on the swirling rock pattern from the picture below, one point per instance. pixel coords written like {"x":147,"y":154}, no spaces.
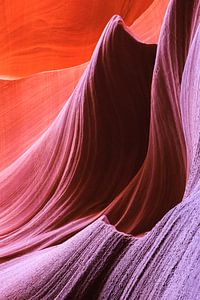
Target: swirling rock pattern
{"x":49,"y":35}
{"x":89,"y":144}
{"x":124,"y":149}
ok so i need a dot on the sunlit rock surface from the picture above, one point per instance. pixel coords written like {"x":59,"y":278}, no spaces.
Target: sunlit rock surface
{"x":104,"y":204}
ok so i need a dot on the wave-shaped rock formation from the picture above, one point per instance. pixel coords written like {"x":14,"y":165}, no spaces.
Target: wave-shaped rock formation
{"x":54,"y":37}
{"x":50,"y":35}
{"x":120,"y":160}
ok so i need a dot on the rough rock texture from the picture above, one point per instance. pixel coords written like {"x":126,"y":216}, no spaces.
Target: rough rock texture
{"x":125,"y":145}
